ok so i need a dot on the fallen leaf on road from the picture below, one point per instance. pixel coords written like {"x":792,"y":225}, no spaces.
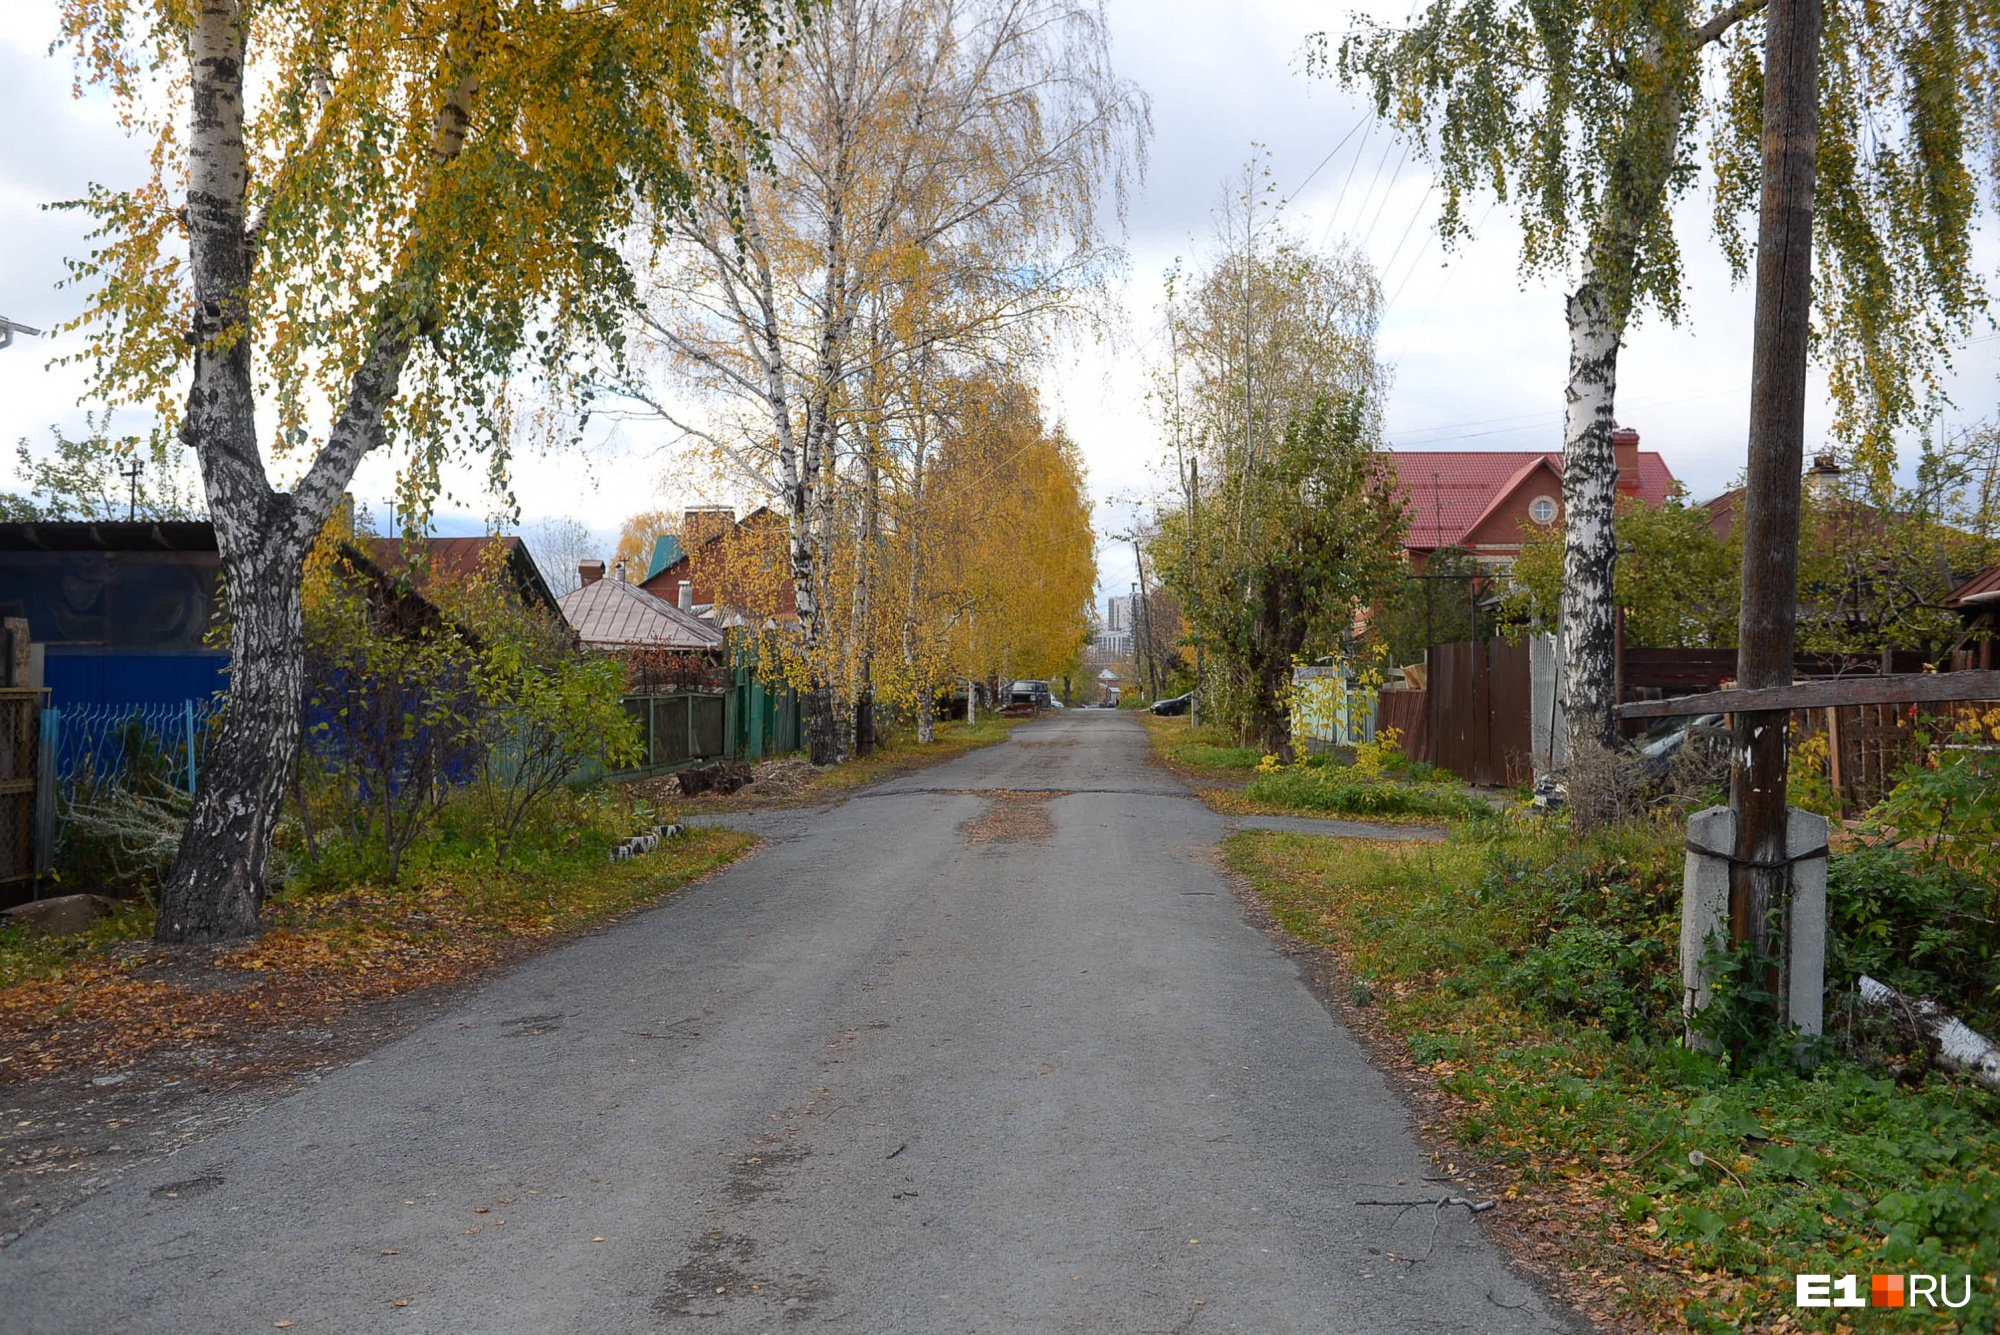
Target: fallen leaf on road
{"x":281,"y":1324}
{"x":390,"y":1251}
{"x":400,"y":1302}
{"x":597,"y":1239}
{"x":482,"y":1209}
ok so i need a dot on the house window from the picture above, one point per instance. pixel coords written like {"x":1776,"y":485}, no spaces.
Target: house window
{"x":1542,"y":510}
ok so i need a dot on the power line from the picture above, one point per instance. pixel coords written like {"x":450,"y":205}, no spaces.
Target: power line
{"x":1328,"y":158}
{"x":1388,"y":189}
{"x":1390,"y":263}
{"x":1352,"y":167}
{"x":1372,"y":180}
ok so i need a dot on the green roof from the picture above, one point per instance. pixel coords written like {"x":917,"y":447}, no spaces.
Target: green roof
{"x":666,"y":551}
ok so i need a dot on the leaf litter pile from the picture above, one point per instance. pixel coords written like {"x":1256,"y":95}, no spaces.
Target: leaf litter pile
{"x":322,"y":957}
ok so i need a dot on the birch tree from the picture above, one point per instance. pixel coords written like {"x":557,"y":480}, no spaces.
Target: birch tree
{"x":1589,"y":117}
{"x":1285,"y":527}
{"x":972,"y":138}
{"x":363,"y":219}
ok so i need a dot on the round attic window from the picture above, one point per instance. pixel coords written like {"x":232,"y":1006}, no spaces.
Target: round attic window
{"x":1542,"y":510}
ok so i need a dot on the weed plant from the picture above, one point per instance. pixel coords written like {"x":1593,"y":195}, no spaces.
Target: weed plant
{"x":1538,"y":981}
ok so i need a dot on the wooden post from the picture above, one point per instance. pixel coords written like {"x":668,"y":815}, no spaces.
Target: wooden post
{"x":1777,"y":452}
{"x":1836,"y":768}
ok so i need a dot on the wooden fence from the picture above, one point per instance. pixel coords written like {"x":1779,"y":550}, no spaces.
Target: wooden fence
{"x":1479,"y":724}
{"x":1408,"y":712}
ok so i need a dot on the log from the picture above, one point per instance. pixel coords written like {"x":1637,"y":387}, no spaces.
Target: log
{"x":1959,"y":1046}
{"x":1902,"y":689}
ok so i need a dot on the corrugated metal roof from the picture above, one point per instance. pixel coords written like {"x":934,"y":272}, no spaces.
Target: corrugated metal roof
{"x":1450,"y":491}
{"x":610,"y":613}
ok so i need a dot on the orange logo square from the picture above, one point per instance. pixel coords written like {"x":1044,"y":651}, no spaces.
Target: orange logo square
{"x":1886,"y":1291}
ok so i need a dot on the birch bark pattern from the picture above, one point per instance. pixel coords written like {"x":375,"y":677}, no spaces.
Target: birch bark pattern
{"x":216,"y":889}
{"x":1590,"y":550}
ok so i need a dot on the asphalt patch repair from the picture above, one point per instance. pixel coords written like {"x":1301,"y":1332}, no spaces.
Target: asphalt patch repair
{"x":1010,"y":818}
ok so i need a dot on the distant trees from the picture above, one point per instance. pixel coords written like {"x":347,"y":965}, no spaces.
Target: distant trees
{"x":929,"y":188}
{"x":1286,"y":527}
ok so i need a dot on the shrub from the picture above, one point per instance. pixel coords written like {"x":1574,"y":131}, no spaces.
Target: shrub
{"x":1924,"y":928}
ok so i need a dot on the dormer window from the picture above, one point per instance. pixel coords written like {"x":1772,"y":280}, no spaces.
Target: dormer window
{"x":1542,"y":510}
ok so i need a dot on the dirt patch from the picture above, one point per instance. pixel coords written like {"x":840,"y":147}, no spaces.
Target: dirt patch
{"x":1010,"y":818}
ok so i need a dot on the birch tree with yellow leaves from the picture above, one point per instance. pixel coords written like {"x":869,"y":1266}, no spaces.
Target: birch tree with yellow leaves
{"x":364,"y":222}
{"x":962,"y":148}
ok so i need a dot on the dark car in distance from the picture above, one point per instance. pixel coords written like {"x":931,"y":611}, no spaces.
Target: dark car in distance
{"x":1031,"y":692}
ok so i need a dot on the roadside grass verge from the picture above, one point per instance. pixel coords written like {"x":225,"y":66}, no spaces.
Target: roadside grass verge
{"x":107,"y":999}
{"x":1535,"y":987}
{"x":1343,"y":791}
{"x":1383,"y":787}
{"x":1199,"y":752}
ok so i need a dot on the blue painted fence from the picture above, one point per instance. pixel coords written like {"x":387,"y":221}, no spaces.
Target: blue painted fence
{"x":119,"y":743}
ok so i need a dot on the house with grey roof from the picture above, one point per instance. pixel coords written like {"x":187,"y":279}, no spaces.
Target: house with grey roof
{"x":613,"y":615}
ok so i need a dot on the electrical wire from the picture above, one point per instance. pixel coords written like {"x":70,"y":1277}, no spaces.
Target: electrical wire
{"x":1328,"y":158}
{"x":1388,"y":188}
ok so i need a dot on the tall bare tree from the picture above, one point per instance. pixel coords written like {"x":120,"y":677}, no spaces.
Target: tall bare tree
{"x":965,"y":144}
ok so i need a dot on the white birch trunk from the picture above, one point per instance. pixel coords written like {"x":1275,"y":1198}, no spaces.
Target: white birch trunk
{"x":1590,"y":551}
{"x":216,"y":889}
{"x":1959,"y":1046}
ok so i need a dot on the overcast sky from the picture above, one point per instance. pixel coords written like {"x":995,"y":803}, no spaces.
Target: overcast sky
{"x":1478,"y":356}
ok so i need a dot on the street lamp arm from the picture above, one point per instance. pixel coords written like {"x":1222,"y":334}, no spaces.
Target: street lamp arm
{"x":9,"y":328}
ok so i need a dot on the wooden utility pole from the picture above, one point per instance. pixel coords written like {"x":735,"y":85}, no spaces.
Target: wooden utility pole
{"x":1758,"y":874}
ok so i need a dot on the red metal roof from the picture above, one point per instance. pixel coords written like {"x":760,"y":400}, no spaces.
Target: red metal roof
{"x":1450,"y":491}
{"x":1981,"y":589}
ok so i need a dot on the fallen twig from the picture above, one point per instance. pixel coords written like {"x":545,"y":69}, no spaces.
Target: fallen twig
{"x":1437,"y":1209}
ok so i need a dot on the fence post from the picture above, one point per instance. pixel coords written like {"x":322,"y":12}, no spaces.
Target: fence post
{"x":45,"y":792}
{"x":187,"y":718}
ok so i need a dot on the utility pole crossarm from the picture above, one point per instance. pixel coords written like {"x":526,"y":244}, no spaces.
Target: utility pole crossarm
{"x":1901,"y":689}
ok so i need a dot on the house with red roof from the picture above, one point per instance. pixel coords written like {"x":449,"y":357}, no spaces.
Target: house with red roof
{"x":1486,"y":500}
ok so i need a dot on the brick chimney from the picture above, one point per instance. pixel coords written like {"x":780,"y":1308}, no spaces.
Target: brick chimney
{"x":1823,"y":478}
{"x":700,"y":524}
{"x":590,"y":571}
{"x":687,"y":595}
{"x":1625,"y":449}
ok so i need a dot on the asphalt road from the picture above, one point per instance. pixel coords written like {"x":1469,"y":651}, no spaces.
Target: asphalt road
{"x":987,"y":1049}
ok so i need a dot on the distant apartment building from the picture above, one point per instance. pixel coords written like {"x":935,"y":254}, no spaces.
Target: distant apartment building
{"x":1111,"y":640}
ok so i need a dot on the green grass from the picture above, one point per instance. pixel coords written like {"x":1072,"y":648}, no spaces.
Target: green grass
{"x":1205,"y":750}
{"x":1334,"y":789}
{"x":1538,"y":984}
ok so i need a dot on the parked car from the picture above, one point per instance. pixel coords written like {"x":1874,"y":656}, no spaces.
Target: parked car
{"x":1175,"y":705}
{"x":1031,"y":692}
